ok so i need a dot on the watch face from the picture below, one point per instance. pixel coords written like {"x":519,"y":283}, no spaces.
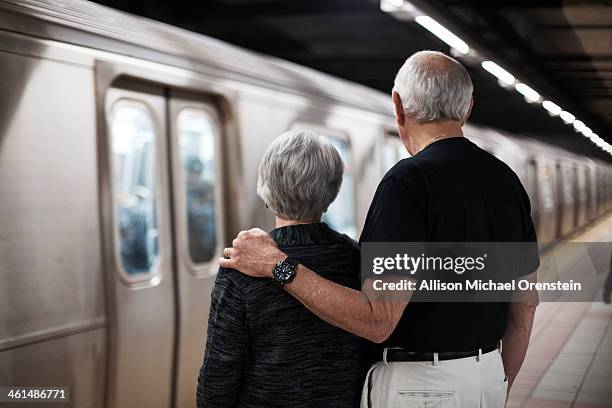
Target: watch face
{"x":283,"y":272}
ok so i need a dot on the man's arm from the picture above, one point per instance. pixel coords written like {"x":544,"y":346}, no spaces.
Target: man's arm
{"x":359,"y":312}
{"x":521,"y":313}
{"x":220,"y":377}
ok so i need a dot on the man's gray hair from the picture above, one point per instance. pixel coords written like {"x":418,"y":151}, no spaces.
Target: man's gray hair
{"x":434,"y":86}
{"x":300,"y":175}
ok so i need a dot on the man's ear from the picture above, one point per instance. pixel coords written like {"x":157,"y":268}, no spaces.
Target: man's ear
{"x":469,"y":111}
{"x":400,"y":116}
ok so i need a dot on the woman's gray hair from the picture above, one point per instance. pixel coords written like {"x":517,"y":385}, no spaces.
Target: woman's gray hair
{"x":300,"y":175}
{"x":434,"y":86}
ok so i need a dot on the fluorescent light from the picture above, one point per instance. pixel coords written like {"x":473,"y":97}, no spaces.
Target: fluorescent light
{"x":567,"y":117}
{"x":442,"y":33}
{"x":504,"y":76}
{"x":599,"y":141}
{"x":587,"y":131}
{"x":551,"y":107}
{"x":529,"y":93}
{"x":391,"y":5}
{"x":579,"y":125}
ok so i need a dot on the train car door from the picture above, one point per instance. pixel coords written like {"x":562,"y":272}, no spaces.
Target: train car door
{"x":138,"y":251}
{"x":197,"y":190}
{"x":582,"y":195}
{"x":547,"y":209}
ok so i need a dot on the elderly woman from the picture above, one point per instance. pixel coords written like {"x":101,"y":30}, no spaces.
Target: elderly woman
{"x":264,"y":349}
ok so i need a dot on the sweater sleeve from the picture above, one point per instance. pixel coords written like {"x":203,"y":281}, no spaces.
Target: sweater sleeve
{"x":220,"y":377}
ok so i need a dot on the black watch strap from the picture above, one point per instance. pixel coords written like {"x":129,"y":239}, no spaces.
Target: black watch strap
{"x":284,"y":271}
{"x":292,"y":261}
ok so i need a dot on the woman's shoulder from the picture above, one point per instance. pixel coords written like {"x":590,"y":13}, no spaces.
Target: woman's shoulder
{"x":234,"y":277}
{"x":239,"y":283}
{"x":348,"y":243}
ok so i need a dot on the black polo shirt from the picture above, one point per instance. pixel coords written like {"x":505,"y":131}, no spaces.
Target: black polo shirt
{"x":451,"y":191}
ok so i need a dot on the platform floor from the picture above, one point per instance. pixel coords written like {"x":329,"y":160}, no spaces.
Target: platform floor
{"x":569,"y":362}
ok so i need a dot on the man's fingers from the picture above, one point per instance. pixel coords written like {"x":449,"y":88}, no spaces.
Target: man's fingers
{"x":228,"y":252}
{"x":227,"y":263}
{"x":242,"y":234}
{"x":256,"y":231}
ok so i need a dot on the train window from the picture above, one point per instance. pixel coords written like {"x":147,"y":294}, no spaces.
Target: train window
{"x":197,"y":152}
{"x":133,"y":160}
{"x":341,"y":213}
{"x":389,"y":156}
{"x":547,"y":190}
{"x":392,"y":151}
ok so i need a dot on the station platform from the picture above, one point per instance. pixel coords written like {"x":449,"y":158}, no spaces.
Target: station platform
{"x":569,"y":362}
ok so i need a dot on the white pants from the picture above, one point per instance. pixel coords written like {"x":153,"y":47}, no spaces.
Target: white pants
{"x":463,"y":383}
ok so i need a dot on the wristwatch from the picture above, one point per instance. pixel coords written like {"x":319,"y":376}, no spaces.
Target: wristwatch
{"x":284,"y":271}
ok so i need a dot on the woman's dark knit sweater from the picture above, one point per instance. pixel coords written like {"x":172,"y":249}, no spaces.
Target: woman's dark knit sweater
{"x":264,"y":349}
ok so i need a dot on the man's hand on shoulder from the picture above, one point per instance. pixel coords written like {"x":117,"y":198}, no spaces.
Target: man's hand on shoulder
{"x":253,"y":253}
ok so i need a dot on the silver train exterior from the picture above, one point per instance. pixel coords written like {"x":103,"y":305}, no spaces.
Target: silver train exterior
{"x":128,"y":156}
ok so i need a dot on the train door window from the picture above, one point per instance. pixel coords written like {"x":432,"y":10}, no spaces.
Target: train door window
{"x":392,"y":151}
{"x":133,"y":140}
{"x":341,"y":213}
{"x":389,"y":156}
{"x":197,"y":146}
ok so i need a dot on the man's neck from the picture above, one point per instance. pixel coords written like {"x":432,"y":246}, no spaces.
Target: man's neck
{"x":281,"y":222}
{"x":426,"y":133}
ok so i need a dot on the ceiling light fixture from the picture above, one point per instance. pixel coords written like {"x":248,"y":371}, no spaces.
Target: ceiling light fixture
{"x":551,"y":107}
{"x":529,"y":93}
{"x":443,"y":33}
{"x":587,"y":131}
{"x":504,"y":76}
{"x":567,"y":117}
{"x":391,"y":5}
{"x":579,"y":126}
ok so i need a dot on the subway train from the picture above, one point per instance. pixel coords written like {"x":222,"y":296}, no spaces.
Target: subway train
{"x":128,"y":157}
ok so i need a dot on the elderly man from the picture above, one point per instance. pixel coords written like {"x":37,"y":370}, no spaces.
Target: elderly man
{"x":448,"y":191}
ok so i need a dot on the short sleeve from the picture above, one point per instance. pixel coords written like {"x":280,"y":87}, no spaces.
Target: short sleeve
{"x":397,"y":212}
